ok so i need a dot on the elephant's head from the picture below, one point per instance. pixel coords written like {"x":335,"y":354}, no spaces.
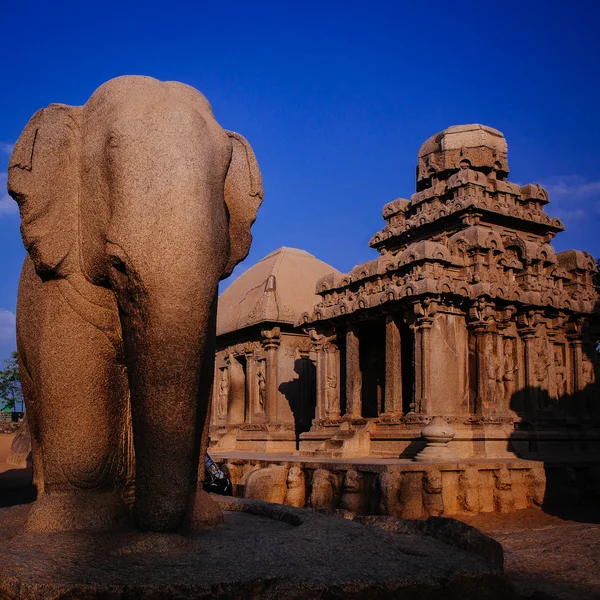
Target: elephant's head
{"x":50,"y":165}
{"x":142,"y":192}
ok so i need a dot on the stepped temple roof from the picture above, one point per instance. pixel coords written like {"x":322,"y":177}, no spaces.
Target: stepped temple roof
{"x":279,"y":288}
{"x":466,"y":233}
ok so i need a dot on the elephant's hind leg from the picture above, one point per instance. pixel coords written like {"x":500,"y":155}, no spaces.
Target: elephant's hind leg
{"x":77,"y":404}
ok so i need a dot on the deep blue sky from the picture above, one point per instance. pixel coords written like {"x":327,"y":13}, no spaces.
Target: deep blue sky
{"x":335,"y":98}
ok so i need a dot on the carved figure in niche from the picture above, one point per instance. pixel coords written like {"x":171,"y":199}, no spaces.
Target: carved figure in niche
{"x":223,"y":396}
{"x":536,"y":480}
{"x":468,"y":490}
{"x":588,"y":371}
{"x":508,"y":371}
{"x":504,"y":500}
{"x":491,"y":370}
{"x":389,"y":487}
{"x":134,"y":206}
{"x":267,"y":484}
{"x":324,"y":490}
{"x":352,"y":499}
{"x":432,"y":496}
{"x":331,"y":392}
{"x":296,"y":487}
{"x":560,"y":370}
{"x":262,"y":385}
{"x":541,"y":370}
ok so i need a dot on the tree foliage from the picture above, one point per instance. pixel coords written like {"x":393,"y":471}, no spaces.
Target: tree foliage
{"x":10,"y":384}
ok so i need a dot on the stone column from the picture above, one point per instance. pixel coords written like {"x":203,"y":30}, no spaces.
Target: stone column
{"x":481,"y":377}
{"x":393,"y":368}
{"x":531,"y":392}
{"x":271,"y":341}
{"x":321,"y":381}
{"x":527,"y":323}
{"x":422,"y":318}
{"x":422,"y":366}
{"x":332,"y":381}
{"x":578,"y":378}
{"x":318,"y":340}
{"x":353,"y":374}
{"x":481,"y":316}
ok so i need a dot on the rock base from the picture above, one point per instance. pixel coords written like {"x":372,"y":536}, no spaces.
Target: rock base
{"x":261,"y":551}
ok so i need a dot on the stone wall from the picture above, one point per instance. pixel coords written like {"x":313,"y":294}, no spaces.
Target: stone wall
{"x":414,"y":491}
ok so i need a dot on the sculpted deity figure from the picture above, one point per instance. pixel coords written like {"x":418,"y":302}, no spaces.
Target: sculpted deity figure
{"x":262,"y":386}
{"x":223,"y":393}
{"x":331,"y":392}
{"x":491,"y":371}
{"x":541,"y":371}
{"x":509,"y":371}
{"x":559,"y":366}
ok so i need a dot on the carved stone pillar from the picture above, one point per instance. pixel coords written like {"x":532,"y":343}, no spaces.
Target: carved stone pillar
{"x":423,"y":321}
{"x":353,"y":374}
{"x":485,"y":357}
{"x":327,"y":375}
{"x":578,"y":378}
{"x":531,"y":392}
{"x":321,"y":377}
{"x":393,"y":368}
{"x":527,"y":323}
{"x":271,"y":340}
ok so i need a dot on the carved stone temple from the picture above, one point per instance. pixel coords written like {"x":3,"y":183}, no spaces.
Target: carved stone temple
{"x":466,"y":314}
{"x":264,"y":390}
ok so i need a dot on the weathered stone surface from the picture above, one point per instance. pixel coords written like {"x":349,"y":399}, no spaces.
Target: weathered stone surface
{"x":133,"y":207}
{"x":295,"y":494}
{"x":21,"y":446}
{"x":546,"y":557}
{"x":324,"y":490}
{"x":449,"y":531}
{"x":353,"y":497}
{"x":261,"y":551}
{"x":267,"y":484}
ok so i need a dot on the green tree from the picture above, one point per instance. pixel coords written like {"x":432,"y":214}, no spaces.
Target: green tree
{"x":10,"y":384}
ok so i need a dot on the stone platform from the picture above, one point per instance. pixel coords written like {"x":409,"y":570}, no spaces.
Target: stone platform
{"x":261,"y":551}
{"x":407,"y":489}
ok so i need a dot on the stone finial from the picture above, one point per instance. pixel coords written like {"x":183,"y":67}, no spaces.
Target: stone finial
{"x":474,"y":146}
{"x":437,"y":434}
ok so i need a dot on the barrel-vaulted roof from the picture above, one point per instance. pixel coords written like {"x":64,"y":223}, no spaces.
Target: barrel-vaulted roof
{"x":278,"y":288}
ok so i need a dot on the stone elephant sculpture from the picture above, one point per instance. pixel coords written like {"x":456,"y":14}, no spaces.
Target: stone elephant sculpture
{"x":133,"y":207}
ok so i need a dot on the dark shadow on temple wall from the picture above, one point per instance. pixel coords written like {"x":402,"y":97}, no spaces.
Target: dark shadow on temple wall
{"x":301,"y":395}
{"x":563,"y":432}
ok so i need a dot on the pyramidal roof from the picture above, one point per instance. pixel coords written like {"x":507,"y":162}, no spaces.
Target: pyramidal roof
{"x":278,"y":288}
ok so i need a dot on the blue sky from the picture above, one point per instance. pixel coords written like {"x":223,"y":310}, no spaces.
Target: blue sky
{"x":335,"y":98}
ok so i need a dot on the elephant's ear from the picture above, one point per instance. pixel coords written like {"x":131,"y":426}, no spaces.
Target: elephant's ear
{"x":243,"y":196}
{"x":43,"y":177}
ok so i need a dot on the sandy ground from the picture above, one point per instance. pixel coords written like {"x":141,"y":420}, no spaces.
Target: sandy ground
{"x":546,"y":557}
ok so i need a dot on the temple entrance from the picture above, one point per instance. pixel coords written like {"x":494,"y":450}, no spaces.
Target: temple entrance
{"x":308,"y":394}
{"x":236,"y":414}
{"x":372,"y":366}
